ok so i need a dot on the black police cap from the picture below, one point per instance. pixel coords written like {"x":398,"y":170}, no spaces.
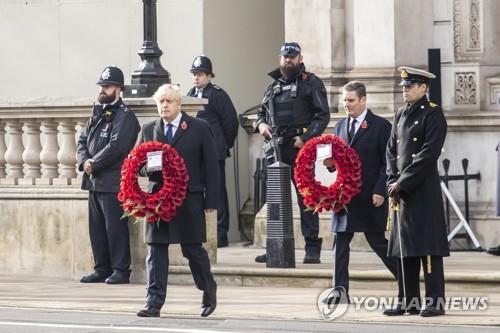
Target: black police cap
{"x":202,"y":64}
{"x":111,"y":75}
{"x":290,"y":49}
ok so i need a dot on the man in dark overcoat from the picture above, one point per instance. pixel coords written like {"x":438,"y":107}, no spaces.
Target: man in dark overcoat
{"x":194,"y":141}
{"x":417,"y":137}
{"x":368,"y":134}
{"x":105,"y":141}
{"x":223,"y":119}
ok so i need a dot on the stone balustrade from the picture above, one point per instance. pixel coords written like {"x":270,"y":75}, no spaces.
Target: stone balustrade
{"x":38,"y":140}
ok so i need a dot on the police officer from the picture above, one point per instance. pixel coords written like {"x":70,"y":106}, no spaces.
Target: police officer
{"x":223,"y":119}
{"x":301,"y":112}
{"x":417,"y":137}
{"x":107,"y":138}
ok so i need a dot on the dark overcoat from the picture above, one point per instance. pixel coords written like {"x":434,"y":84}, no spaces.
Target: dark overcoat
{"x":416,"y":141}
{"x":370,"y":143}
{"x":195,"y":144}
{"x":222,"y":117}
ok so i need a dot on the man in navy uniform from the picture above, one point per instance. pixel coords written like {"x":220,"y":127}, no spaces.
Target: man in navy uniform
{"x":223,"y":119}
{"x":301,"y":113}
{"x":417,"y":138}
{"x":367,"y":133}
{"x":107,"y":138}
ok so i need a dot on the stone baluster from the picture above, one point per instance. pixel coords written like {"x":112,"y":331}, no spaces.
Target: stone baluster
{"x":3,"y":149}
{"x":67,"y":153}
{"x":31,"y":154}
{"x":48,"y":155}
{"x":80,"y":125}
{"x":13,"y":155}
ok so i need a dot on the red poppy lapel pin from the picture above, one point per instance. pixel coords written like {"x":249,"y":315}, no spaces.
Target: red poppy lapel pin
{"x":364,"y":125}
{"x":184,"y":125}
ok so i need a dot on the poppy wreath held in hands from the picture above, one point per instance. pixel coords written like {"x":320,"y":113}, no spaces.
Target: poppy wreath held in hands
{"x":347,"y":184}
{"x":161,"y":205}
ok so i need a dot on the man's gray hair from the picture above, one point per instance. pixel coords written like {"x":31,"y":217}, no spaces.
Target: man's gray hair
{"x":356,"y":86}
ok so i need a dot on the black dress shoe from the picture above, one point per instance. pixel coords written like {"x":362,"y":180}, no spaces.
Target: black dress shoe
{"x":494,"y":251}
{"x":149,"y":311}
{"x":118,"y":278}
{"x":94,"y":278}
{"x":336,"y":296}
{"x":262,"y":259}
{"x":222,"y":243}
{"x":311,"y":258}
{"x":209,"y":302}
{"x":431,"y":311}
{"x":400,"y":311}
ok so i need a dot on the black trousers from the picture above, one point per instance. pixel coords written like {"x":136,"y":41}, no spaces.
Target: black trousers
{"x":378,"y":244}
{"x":309,"y":222}
{"x":109,"y":234}
{"x":434,"y":281}
{"x":157,"y":266}
{"x":223,"y":209}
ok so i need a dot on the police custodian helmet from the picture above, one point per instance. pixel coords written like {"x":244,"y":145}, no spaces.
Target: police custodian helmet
{"x":202,"y":64}
{"x":111,"y":75}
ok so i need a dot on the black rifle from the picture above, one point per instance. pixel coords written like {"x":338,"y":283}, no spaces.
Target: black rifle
{"x":271,"y":145}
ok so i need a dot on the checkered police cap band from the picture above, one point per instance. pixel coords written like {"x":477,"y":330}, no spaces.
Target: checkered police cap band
{"x":290,"y":49}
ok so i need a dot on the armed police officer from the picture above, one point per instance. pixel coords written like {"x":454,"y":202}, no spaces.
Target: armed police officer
{"x":418,"y":234}
{"x":300,"y":107}
{"x":107,"y":138}
{"x":223,"y":119}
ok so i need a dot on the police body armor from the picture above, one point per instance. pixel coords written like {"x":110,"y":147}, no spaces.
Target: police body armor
{"x":291,"y":111}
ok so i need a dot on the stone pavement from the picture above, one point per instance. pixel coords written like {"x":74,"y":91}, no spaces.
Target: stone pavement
{"x":237,"y":297}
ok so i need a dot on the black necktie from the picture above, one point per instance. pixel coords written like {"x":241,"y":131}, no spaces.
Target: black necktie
{"x":352,"y":130}
{"x":169,"y":134}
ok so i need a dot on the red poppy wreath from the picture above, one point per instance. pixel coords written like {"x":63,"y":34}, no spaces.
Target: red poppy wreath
{"x":161,"y":205}
{"x":347,"y":184}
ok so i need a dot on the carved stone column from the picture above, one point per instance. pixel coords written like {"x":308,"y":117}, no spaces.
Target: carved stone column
{"x":13,"y":155}
{"x":48,"y":155}
{"x":3,"y":149}
{"x":67,"y":153}
{"x":31,"y":154}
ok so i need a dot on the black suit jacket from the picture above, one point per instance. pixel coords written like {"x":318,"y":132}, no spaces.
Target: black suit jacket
{"x":195,"y":144}
{"x":370,"y":143}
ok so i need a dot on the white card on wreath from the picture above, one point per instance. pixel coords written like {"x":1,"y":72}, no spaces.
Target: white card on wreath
{"x":323,"y":151}
{"x":155,"y":161}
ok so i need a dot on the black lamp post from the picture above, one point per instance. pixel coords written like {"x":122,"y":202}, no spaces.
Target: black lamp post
{"x":150,"y":74}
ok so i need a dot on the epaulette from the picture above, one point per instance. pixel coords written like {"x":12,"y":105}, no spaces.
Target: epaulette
{"x":216,"y":87}
{"x":432,"y":104}
{"x":124,"y":107}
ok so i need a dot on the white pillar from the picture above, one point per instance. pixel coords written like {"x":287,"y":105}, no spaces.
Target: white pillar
{"x":13,"y":155}
{"x":48,"y":155}
{"x":67,"y":153}
{"x":31,"y":154}
{"x":3,"y":149}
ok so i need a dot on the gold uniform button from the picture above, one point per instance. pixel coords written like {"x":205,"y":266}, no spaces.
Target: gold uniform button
{"x":398,"y":125}
{"x":397,"y":157}
{"x":421,"y":106}
{"x":398,"y":141}
{"x":413,"y":155}
{"x":399,"y":173}
{"x":415,"y":139}
{"x":416,"y":122}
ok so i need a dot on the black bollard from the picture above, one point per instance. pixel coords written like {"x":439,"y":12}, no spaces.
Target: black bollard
{"x":280,"y":243}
